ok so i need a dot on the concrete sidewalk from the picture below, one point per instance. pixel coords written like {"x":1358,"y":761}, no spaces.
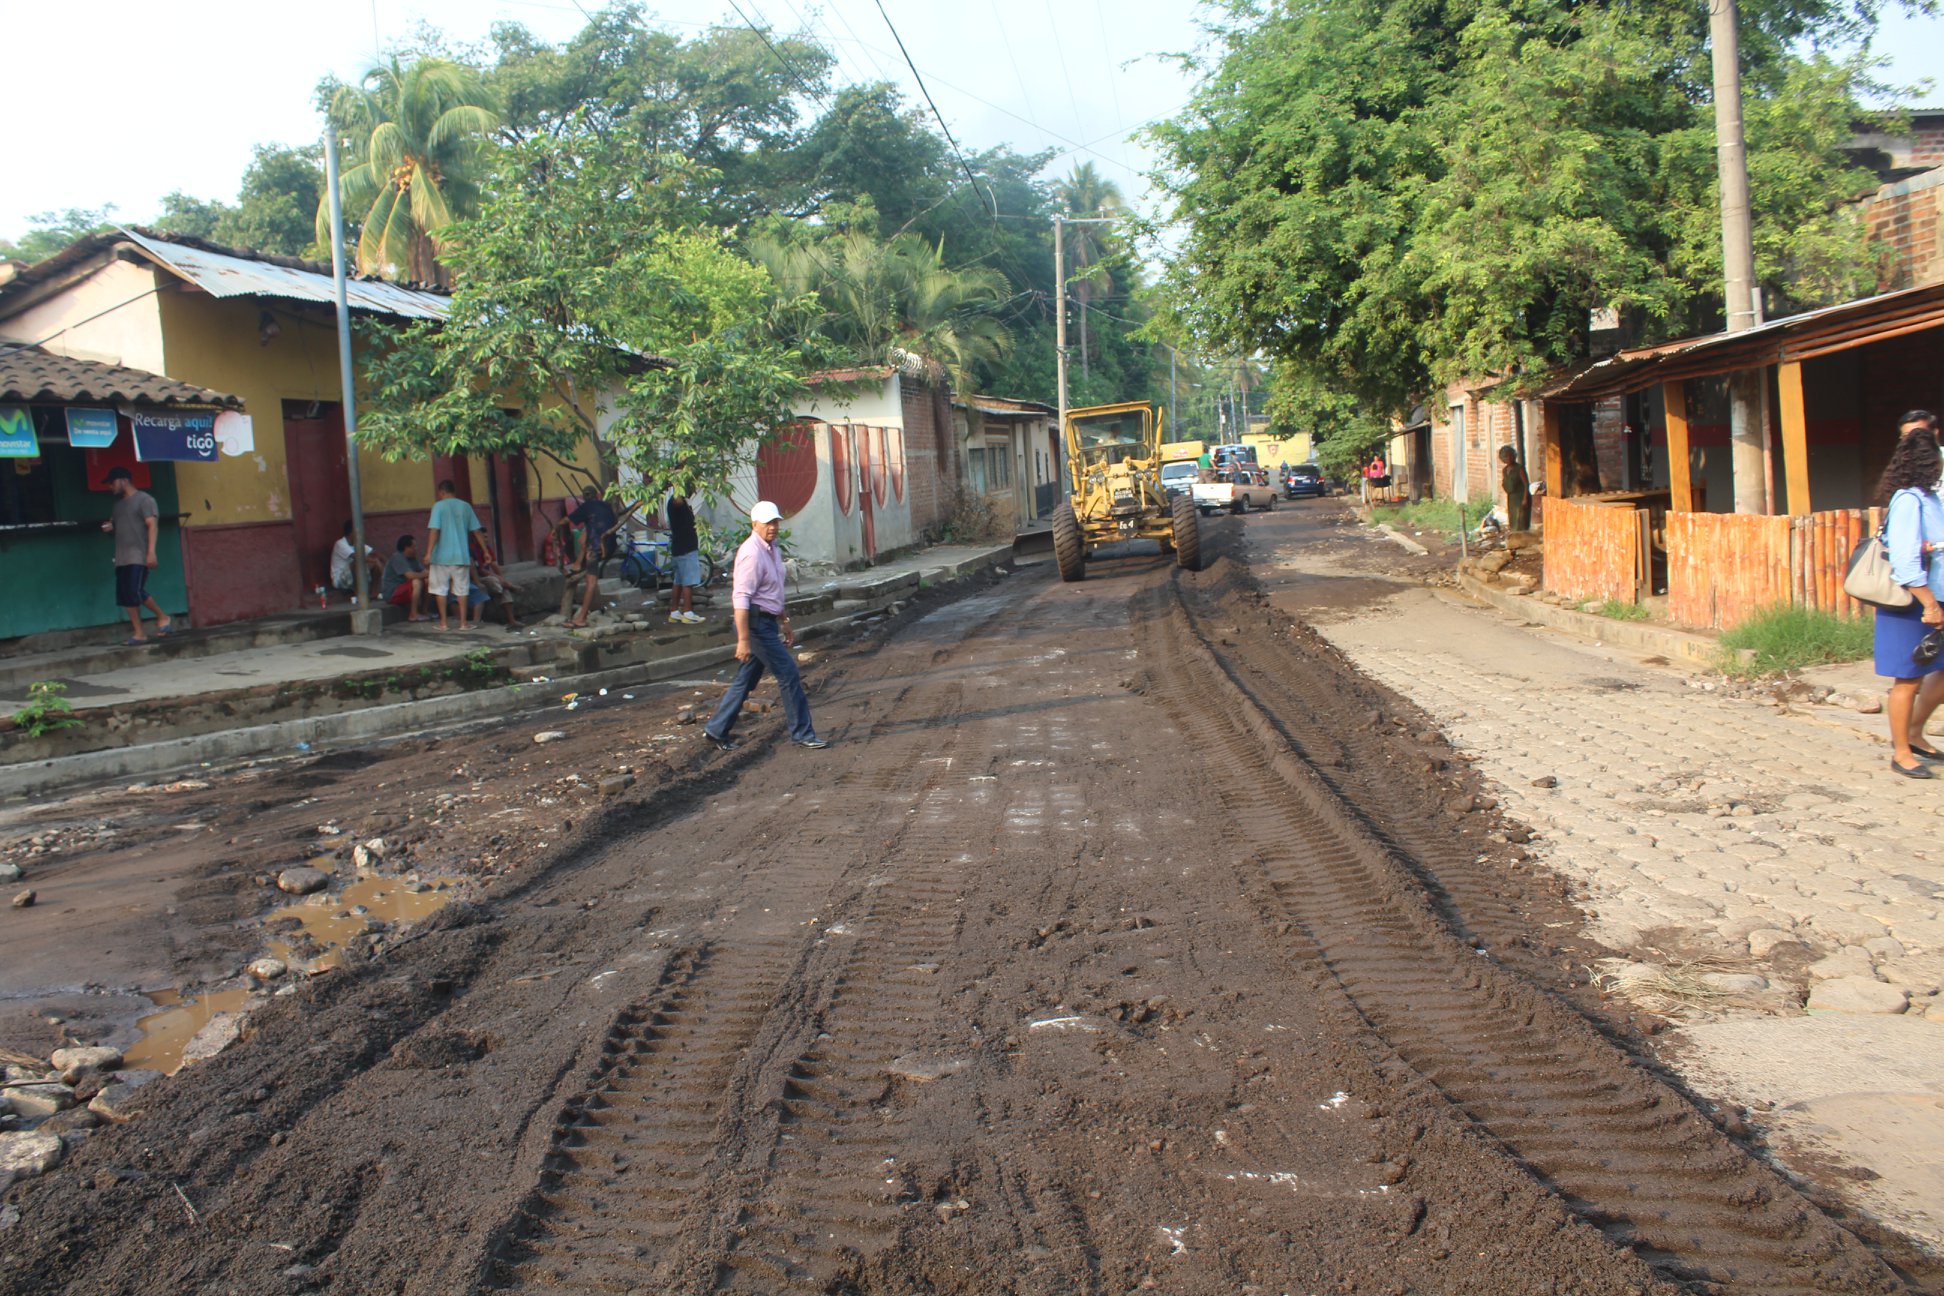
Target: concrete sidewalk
{"x":1769,"y":840}
{"x":147,"y":711}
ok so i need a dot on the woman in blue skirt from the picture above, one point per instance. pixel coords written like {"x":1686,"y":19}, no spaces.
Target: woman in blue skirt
{"x":1914,"y":535}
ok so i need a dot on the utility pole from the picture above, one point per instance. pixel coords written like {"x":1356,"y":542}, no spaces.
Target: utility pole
{"x":1171,"y":388}
{"x":1060,"y":221}
{"x":366,"y":618}
{"x":1747,"y":388}
{"x":1059,"y":318}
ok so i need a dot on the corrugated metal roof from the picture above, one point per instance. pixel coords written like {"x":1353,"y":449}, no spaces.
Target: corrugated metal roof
{"x":1792,"y":338}
{"x":31,"y":376}
{"x":1006,"y":407}
{"x":222,"y":275}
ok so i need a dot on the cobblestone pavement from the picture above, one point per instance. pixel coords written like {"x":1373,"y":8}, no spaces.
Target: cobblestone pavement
{"x":1771,"y":841}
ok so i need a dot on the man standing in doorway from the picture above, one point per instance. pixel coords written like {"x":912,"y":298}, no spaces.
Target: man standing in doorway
{"x":1518,"y":490}
{"x":763,"y":636}
{"x":448,"y":558}
{"x":133,"y":521}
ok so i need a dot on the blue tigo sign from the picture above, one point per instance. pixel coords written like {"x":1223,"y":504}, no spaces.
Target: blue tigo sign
{"x":91,"y":429}
{"x":175,"y":438}
{"x":17,"y":439}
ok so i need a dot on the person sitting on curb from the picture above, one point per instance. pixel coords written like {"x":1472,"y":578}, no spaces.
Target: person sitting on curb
{"x":763,"y":636}
{"x":344,"y":579}
{"x":403,"y":581}
{"x":489,"y":585}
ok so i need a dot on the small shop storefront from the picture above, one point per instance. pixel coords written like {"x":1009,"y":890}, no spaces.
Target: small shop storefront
{"x":64,"y":424}
{"x":1836,"y":381}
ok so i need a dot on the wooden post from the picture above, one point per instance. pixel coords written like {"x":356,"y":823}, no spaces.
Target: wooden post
{"x":1679,"y":465}
{"x":1795,"y":435}
{"x":1549,"y":437}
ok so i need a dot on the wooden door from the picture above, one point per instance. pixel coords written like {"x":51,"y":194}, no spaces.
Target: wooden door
{"x":320,"y":490}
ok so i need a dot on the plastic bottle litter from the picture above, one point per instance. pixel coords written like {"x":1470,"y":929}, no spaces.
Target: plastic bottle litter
{"x":303,"y":746}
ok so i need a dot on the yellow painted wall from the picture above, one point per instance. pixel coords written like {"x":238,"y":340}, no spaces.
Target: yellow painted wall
{"x":148,"y":319}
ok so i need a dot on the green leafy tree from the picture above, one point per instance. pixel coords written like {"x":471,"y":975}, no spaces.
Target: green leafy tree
{"x":1384,"y":196}
{"x":51,"y":231}
{"x":589,"y":302}
{"x":276,"y":207}
{"x":892,"y":301}
{"x":197,"y":217}
{"x":728,"y":102}
{"x":414,"y":134}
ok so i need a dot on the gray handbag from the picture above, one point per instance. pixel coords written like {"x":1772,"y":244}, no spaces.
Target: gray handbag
{"x":1868,"y":578}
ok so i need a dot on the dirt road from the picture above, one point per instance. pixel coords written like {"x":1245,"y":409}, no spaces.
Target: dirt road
{"x":1125,"y":940}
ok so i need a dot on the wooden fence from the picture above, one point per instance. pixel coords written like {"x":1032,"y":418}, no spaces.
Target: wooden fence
{"x":1723,"y":566}
{"x":1595,"y":551}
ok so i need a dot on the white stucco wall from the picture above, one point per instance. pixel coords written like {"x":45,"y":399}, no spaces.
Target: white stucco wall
{"x":112,"y":316}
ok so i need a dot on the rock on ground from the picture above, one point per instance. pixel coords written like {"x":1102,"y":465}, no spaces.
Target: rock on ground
{"x":34,"y":1100}
{"x":1855,"y":994}
{"x":29,"y":1154}
{"x":302,"y":880}
{"x":73,"y":1063}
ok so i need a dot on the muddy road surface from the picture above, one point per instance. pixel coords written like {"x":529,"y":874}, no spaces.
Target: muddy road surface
{"x":1125,"y":940}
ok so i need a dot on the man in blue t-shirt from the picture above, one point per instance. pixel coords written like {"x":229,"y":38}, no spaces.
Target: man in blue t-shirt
{"x":447,"y":555}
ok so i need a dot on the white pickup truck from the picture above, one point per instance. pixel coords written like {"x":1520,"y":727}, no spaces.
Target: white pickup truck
{"x":1236,"y":489}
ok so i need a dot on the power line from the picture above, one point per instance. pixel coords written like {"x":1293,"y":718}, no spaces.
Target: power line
{"x":782,"y":62}
{"x":991,"y":202}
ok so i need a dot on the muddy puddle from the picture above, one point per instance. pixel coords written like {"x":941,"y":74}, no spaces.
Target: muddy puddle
{"x":166,"y":1033}
{"x":328,"y":924}
{"x":366,"y":905}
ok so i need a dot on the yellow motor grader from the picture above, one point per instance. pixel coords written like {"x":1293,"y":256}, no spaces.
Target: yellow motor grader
{"x":1114,"y":461}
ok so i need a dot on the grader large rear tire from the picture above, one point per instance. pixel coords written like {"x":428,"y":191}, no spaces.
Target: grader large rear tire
{"x":1069,"y":546}
{"x":1187,"y":534}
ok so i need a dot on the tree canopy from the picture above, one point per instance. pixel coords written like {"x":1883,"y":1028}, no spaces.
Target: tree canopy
{"x":1385,"y":195}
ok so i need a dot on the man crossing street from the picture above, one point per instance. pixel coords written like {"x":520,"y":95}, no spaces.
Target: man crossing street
{"x":763,"y":636}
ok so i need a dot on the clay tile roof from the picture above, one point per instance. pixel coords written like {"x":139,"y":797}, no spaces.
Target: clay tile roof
{"x":29,"y":375}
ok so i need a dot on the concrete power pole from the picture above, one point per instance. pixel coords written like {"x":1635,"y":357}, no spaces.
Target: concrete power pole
{"x":1747,"y":389}
{"x":1059,"y":318}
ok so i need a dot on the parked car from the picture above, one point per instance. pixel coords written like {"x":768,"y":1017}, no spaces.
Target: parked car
{"x":1178,"y":478}
{"x":1237,"y":490}
{"x":1304,"y":479}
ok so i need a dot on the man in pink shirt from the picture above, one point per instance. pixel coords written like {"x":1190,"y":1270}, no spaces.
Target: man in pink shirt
{"x":763,"y":636}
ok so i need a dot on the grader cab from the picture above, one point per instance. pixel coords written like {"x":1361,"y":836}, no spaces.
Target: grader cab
{"x":1114,"y":458}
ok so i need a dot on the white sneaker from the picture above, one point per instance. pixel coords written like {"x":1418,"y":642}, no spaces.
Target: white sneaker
{"x":691,"y":618}
{"x":677,"y":618}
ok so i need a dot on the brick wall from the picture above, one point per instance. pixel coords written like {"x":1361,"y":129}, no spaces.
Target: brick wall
{"x":931,"y":455}
{"x":1904,"y":218}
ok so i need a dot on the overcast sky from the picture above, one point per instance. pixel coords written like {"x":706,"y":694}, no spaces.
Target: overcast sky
{"x":121,"y":102}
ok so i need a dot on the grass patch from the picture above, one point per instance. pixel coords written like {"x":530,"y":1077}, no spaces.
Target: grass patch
{"x":1790,"y":638}
{"x":1439,"y":515}
{"x":1615,"y":610}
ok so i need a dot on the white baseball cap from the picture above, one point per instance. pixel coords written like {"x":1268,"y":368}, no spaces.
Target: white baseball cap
{"x":765,"y":512}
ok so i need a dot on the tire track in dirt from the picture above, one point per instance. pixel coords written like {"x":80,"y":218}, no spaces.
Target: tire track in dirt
{"x":1625,"y":1151}
{"x":643,"y":1181}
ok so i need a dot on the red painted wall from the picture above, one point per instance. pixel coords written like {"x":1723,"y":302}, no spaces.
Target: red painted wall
{"x":238,"y":571}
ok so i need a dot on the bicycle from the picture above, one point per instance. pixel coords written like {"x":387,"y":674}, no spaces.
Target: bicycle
{"x":646,"y":565}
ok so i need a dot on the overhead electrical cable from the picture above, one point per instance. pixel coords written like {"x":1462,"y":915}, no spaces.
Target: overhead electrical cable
{"x":925,"y":90}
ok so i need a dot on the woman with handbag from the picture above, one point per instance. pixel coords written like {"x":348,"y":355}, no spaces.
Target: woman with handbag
{"x":1914,"y":538}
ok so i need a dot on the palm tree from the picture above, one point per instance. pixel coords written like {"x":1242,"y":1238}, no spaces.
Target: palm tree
{"x":1086,"y":195}
{"x":896,"y":302}
{"x":414,"y":135}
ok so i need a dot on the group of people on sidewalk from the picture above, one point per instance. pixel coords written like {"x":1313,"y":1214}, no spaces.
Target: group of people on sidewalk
{"x":462,"y":567}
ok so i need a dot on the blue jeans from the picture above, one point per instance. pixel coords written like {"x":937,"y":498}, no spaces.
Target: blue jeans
{"x":771,"y":653}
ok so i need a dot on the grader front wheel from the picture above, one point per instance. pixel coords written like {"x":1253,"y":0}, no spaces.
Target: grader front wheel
{"x":1069,"y":546}
{"x":1187,"y":534}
